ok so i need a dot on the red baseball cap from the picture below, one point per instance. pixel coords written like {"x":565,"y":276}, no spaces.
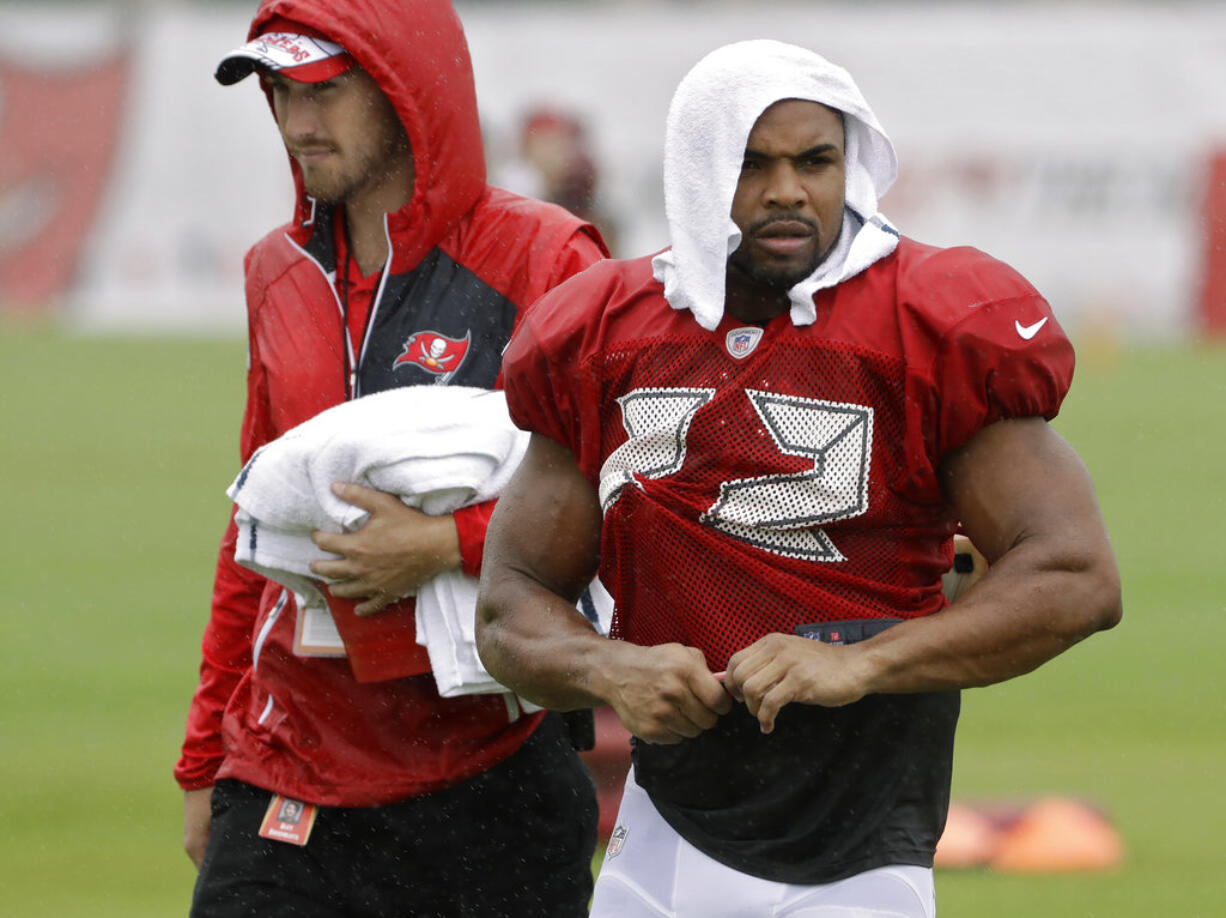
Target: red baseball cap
{"x":289,"y":49}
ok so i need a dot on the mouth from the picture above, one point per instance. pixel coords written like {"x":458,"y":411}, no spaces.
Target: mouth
{"x":312,"y":155}
{"x":785,"y":237}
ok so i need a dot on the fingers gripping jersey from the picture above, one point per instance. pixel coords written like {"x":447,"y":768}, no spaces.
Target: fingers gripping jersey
{"x":757,"y":479}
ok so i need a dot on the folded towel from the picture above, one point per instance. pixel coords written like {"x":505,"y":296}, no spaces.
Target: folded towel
{"x":437,"y":448}
{"x":446,"y":625}
{"x":709,"y":122}
{"x":445,"y":608}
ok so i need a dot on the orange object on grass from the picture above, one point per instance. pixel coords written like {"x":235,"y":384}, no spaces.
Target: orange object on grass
{"x":1058,"y":835}
{"x":970,"y":839}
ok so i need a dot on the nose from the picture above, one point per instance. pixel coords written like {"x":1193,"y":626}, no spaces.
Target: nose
{"x":783,"y":187}
{"x":297,"y":115}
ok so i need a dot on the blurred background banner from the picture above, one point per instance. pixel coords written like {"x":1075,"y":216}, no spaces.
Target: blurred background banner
{"x":51,"y":184}
{"x":1083,"y":143}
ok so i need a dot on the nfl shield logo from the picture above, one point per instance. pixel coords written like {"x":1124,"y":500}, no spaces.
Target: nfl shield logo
{"x":741,"y":342}
{"x":616,"y":840}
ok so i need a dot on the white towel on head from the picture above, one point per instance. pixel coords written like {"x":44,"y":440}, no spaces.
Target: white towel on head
{"x":709,"y":121}
{"x":436,"y":447}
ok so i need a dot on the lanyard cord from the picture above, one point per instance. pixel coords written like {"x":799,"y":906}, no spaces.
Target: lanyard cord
{"x":346,"y":342}
{"x":352,"y":354}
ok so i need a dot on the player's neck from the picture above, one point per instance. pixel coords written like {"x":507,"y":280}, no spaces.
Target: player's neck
{"x":365,"y":212}
{"x":748,"y":301}
{"x":367,"y":240}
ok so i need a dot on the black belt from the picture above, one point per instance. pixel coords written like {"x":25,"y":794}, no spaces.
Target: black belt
{"x":848,"y":632}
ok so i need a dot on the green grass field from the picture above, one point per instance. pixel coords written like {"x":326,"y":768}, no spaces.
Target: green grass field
{"x":113,"y":461}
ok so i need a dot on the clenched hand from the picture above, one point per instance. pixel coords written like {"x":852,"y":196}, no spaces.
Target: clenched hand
{"x":781,"y":668}
{"x":663,"y":694}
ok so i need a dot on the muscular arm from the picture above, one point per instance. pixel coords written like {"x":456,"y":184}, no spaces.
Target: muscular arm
{"x":1026,"y":501}
{"x":542,"y":548}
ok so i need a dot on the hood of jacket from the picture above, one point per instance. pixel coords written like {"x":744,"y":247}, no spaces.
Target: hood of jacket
{"x":709,"y":121}
{"x":417,"y":53}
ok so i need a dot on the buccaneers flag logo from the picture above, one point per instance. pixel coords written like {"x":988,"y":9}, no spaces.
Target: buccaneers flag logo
{"x":59,"y":130}
{"x":434,"y":353}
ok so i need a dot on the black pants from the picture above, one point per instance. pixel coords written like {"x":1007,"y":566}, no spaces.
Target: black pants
{"x":513,"y":842}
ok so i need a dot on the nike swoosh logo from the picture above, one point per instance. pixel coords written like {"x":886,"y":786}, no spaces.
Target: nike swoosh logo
{"x":1029,"y":331}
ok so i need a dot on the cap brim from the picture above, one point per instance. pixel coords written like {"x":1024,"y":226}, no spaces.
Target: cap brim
{"x":234,"y":68}
{"x":301,"y":58}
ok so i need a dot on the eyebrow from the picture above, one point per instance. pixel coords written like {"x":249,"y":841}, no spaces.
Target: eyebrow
{"x":820,"y":150}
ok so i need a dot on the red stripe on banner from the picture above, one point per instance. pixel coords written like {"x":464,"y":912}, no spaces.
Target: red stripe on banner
{"x":1213,"y":287}
{"x":58,"y":133}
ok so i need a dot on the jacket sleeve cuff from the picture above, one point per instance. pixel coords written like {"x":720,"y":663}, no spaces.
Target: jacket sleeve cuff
{"x":193,"y":772}
{"x":199,"y":784}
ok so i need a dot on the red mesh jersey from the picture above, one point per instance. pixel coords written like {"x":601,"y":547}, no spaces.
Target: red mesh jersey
{"x":754,"y":479}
